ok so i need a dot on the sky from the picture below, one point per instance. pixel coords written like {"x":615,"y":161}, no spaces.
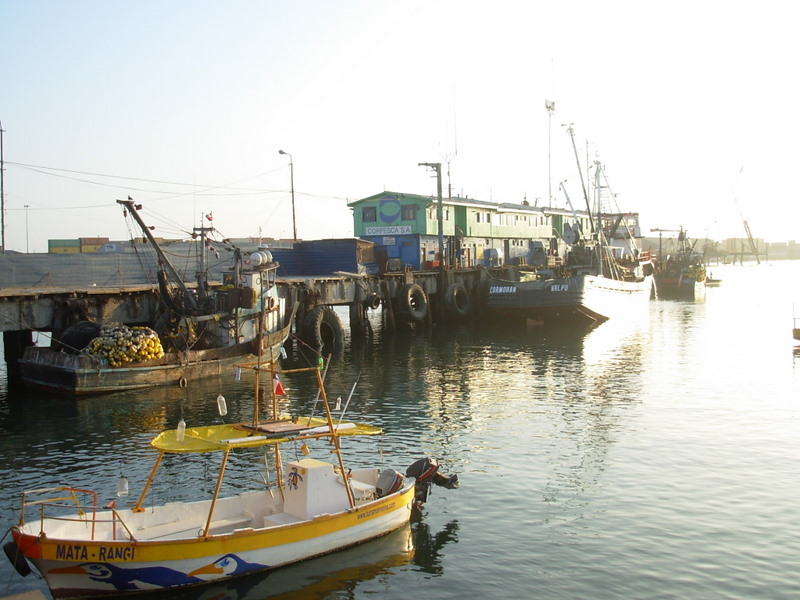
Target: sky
{"x":692,"y":108}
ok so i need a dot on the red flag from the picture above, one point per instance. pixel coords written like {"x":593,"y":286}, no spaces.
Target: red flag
{"x":277,"y":386}
{"x":210,"y":216}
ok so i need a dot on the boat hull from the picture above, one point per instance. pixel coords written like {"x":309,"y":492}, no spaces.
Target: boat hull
{"x":80,"y":568}
{"x":82,"y":375}
{"x":567,"y":300}
{"x":680,"y":288}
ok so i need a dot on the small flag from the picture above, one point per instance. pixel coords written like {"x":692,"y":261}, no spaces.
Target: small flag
{"x":277,"y":386}
{"x":210,"y":216}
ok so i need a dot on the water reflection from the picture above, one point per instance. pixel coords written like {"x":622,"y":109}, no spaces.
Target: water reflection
{"x":341,"y":574}
{"x":597,"y":459}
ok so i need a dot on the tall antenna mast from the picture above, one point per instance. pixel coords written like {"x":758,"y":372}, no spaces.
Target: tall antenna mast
{"x":449,"y":157}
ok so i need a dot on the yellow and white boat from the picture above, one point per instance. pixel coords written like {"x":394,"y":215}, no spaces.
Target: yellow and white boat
{"x":318,"y":507}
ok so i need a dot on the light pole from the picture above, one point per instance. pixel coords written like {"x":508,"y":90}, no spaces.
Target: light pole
{"x":26,"y":229}
{"x":550,"y":106}
{"x":2,"y":195}
{"x":291,"y":176}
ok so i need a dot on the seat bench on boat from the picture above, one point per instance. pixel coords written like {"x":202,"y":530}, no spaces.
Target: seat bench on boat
{"x":182,"y":529}
{"x":280,"y":519}
{"x":230,"y":524}
{"x":362,"y":490}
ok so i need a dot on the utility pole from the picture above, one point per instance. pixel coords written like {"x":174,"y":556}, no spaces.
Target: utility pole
{"x":291,"y":178}
{"x":2,"y":194}
{"x":439,"y":212}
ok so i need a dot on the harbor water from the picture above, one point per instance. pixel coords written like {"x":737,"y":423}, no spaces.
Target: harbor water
{"x":653,"y":458}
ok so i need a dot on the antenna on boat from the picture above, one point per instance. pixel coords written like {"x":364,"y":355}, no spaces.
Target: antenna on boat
{"x":319,"y":390}
{"x":346,"y":404}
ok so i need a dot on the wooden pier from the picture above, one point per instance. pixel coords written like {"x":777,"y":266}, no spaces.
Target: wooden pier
{"x":46,"y":301}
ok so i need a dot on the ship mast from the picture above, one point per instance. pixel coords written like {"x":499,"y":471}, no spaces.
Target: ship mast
{"x":161,"y":256}
{"x":571,"y":133}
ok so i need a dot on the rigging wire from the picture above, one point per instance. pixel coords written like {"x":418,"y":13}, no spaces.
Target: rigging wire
{"x":44,"y":170}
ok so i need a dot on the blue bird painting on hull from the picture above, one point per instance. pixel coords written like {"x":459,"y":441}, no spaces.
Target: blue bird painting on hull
{"x":140,"y":578}
{"x":226,"y":566}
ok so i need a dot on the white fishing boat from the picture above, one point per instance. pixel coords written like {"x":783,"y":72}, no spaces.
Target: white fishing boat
{"x":317,"y":507}
{"x":592,"y":279}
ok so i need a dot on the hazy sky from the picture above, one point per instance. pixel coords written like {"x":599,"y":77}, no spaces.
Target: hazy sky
{"x":693,"y":108}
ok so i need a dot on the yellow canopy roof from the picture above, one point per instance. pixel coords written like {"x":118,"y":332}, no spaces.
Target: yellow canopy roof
{"x":243,"y":435}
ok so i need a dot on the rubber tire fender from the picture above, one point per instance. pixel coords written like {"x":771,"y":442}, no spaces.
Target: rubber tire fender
{"x":457,"y":299}
{"x":372,"y":301}
{"x":17,"y":558}
{"x":413,"y":301}
{"x":322,"y":326}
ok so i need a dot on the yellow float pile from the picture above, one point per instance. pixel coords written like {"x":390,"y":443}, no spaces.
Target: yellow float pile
{"x":120,"y":344}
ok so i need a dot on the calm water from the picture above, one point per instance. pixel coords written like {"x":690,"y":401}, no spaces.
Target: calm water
{"x":653,"y":459}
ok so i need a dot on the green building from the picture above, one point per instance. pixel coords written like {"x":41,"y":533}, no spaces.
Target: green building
{"x":475,"y":232}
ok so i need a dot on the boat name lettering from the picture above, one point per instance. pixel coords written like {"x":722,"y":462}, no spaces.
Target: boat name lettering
{"x":502,"y":289}
{"x":69,"y":552}
{"x":109,"y":553}
{"x":561,"y":287}
{"x":104,"y":553}
{"x":375,"y":511}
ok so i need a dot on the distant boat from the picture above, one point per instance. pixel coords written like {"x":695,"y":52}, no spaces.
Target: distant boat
{"x":681,"y":275}
{"x":594,"y":291}
{"x":198,"y":332}
{"x":796,"y":326}
{"x":593,"y":281}
{"x":315,"y":507}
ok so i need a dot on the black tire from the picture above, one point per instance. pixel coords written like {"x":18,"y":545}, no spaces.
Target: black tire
{"x":413,"y":301}
{"x":373,"y":301}
{"x":77,"y":336}
{"x":457,"y":300}
{"x":323,"y":328}
{"x":17,"y":559}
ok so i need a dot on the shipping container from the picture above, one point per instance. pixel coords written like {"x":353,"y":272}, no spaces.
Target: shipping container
{"x":63,"y":243}
{"x":93,"y":241}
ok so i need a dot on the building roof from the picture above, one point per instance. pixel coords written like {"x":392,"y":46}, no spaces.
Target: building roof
{"x":505,"y":207}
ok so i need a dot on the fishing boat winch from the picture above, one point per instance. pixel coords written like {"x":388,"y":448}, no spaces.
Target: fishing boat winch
{"x":426,"y":471}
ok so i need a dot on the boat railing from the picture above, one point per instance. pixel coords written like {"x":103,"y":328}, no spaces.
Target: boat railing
{"x":58,"y":502}
{"x":70,"y":500}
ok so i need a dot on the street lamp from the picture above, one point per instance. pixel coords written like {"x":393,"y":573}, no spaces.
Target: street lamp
{"x":26,"y":229}
{"x":291,"y":175}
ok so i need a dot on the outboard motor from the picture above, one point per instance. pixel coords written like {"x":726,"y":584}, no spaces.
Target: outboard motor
{"x":426,"y":471}
{"x":389,"y":482}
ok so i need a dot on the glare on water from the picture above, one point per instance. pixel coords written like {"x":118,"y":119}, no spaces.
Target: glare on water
{"x":655,"y":457}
